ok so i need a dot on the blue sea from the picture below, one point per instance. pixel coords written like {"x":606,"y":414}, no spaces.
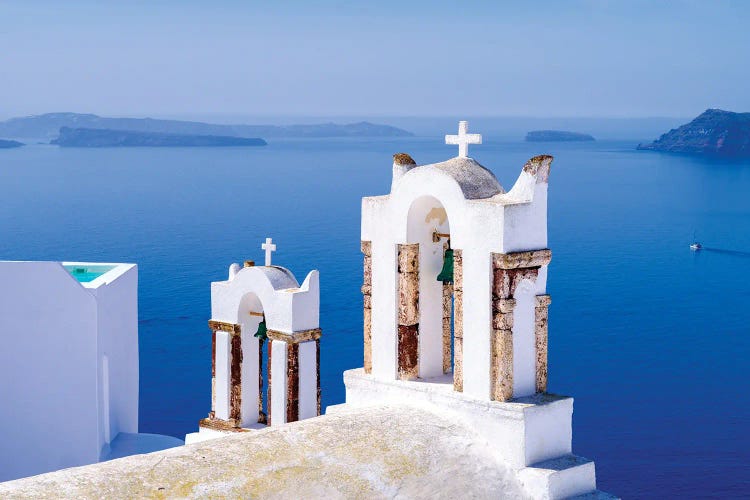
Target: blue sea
{"x":651,"y":339}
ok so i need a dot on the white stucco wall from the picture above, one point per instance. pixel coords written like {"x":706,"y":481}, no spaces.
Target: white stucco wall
{"x":288,"y":306}
{"x":55,"y":333}
{"x":504,"y":222}
{"x":278,"y":382}
{"x":308,"y":380}
{"x":117,"y":321}
{"x":223,"y":365}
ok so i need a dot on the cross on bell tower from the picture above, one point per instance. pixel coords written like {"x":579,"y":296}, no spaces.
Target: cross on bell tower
{"x":463,"y":139}
{"x":269,"y":247}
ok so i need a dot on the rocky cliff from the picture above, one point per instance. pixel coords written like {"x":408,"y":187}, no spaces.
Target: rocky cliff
{"x":714,"y":133}
{"x":556,"y":136}
{"x":98,"y":138}
{"x":10,"y":144}
{"x":47,"y":126}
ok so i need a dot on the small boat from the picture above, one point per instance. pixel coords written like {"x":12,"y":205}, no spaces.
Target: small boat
{"x":695,"y":246}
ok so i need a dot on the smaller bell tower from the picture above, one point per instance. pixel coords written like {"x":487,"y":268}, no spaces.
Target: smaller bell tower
{"x":265,"y":349}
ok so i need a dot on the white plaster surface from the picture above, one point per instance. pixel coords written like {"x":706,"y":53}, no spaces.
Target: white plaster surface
{"x":524,"y":431}
{"x":562,"y":477}
{"x":288,"y":306}
{"x":482,"y":220}
{"x":204,"y":434}
{"x":71,"y":352}
{"x":380,"y":452}
{"x":524,"y":339}
{"x":278,"y":382}
{"x":223,"y":382}
{"x":308,"y":380}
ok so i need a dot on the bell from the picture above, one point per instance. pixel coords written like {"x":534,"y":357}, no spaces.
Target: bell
{"x":446,"y":274}
{"x":262,"y":332}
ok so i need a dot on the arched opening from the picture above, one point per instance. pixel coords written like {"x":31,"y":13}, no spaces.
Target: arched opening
{"x":425,"y":303}
{"x":253,"y":366}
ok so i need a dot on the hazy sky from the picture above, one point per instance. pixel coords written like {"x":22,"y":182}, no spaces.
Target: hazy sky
{"x":556,"y":58}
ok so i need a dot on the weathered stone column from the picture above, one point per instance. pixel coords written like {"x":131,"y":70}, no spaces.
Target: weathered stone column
{"x":541,"y":314}
{"x":317,"y":367}
{"x":408,"y":311}
{"x":292,"y":382}
{"x":212,"y":413}
{"x":458,"y":321}
{"x":501,"y":349}
{"x":509,"y":269}
{"x":270,"y":372}
{"x":235,"y":377}
{"x":366,"y":247}
{"x":235,"y":404}
{"x":447,"y":316}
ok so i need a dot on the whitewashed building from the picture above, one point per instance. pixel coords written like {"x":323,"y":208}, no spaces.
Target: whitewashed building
{"x":69,"y":366}
{"x":260,"y":305}
{"x":455,"y":312}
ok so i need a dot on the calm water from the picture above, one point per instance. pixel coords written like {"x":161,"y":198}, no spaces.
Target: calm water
{"x":650,"y":338}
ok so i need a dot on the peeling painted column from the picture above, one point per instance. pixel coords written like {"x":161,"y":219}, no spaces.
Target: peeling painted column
{"x":234,"y":376}
{"x":541,"y":315}
{"x":408,"y":311}
{"x":262,"y":417}
{"x":213,"y":373}
{"x":447,"y":316}
{"x":235,"y":404}
{"x":509,"y":269}
{"x":317,"y":369}
{"x":458,"y":321}
{"x":294,"y":362}
{"x":270,"y":373}
{"x":366,"y":247}
{"x":292,"y":382}
{"x":501,"y":349}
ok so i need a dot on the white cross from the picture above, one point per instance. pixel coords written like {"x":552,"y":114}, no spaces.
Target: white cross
{"x":463,"y":139}
{"x":268,"y":247}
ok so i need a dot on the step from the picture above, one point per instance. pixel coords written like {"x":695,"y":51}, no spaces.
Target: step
{"x":561,"y":477}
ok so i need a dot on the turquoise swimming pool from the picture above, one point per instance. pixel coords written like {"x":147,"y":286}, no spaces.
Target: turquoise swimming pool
{"x":85,"y":274}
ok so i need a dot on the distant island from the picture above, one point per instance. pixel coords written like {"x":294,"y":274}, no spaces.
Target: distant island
{"x":10,"y":144}
{"x":47,"y":126}
{"x":556,"y":136}
{"x":99,"y":138}
{"x":714,"y":132}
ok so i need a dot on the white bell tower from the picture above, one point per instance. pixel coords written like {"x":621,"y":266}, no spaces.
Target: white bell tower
{"x":260,"y":305}
{"x":473,"y":343}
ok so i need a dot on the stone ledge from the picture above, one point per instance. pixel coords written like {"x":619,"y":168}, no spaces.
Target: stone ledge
{"x":443,"y":386}
{"x":522,"y":430}
{"x":522,"y":260}
{"x":217,"y":424}
{"x":223,"y":326}
{"x":295,"y":337}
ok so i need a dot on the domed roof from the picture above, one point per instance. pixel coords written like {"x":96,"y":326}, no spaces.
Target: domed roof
{"x":475,"y":181}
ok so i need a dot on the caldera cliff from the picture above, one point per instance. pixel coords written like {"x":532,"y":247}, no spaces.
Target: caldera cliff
{"x":714,"y":132}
